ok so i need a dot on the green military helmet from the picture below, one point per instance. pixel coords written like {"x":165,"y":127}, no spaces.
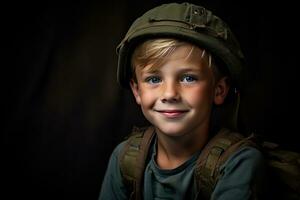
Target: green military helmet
{"x":185,"y":21}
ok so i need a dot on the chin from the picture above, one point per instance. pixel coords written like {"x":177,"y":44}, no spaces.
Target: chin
{"x":172,"y":130}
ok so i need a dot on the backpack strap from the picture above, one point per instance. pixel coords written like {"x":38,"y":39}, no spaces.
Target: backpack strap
{"x":214,"y":154}
{"x":133,"y":158}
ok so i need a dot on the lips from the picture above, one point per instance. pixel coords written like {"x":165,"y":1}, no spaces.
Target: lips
{"x":172,"y":113}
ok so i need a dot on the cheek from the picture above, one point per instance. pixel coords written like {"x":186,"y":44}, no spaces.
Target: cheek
{"x":199,"y":95}
{"x":148,"y":98}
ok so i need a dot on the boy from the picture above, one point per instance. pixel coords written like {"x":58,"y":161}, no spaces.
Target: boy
{"x":179,"y":61}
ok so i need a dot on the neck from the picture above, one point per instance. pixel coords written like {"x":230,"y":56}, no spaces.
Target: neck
{"x":172,"y":151}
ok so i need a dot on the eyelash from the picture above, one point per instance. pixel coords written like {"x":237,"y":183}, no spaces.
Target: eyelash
{"x":194,"y":78}
{"x":150,"y":79}
{"x":157,"y":79}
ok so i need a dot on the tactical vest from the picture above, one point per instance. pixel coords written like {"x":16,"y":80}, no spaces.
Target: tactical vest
{"x":283,"y":165}
{"x":206,"y":174}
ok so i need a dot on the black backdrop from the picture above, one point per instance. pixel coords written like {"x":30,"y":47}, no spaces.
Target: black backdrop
{"x":64,"y":112}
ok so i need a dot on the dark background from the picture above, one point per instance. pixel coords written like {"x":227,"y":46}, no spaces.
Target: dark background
{"x":63,"y":112}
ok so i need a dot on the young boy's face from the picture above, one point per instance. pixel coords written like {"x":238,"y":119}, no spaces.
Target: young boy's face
{"x":178,"y":96}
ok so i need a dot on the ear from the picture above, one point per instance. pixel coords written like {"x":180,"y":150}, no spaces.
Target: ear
{"x":135,"y":90}
{"x":221,"y":91}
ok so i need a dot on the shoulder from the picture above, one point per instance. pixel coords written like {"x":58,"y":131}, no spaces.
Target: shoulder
{"x":242,"y":174}
{"x":246,"y":154}
{"x":122,"y":167}
{"x":237,"y":148}
{"x":137,"y":142}
{"x":247,"y":160}
{"x":118,"y":150}
{"x":112,"y":185}
{"x":119,"y":147}
{"x":113,"y":164}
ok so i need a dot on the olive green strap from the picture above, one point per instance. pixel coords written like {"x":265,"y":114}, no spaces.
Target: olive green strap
{"x":133,"y":158}
{"x":215,"y":153}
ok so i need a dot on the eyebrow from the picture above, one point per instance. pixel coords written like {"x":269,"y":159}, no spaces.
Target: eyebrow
{"x":184,"y":70}
{"x":150,"y":71}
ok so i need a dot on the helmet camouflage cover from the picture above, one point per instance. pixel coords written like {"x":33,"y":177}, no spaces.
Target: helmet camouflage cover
{"x":185,"y":21}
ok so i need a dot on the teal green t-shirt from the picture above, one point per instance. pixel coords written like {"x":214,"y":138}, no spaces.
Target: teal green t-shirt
{"x":241,"y":171}
{"x":172,"y":184}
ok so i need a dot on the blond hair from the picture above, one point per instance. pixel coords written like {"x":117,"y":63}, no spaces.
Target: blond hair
{"x":155,"y":52}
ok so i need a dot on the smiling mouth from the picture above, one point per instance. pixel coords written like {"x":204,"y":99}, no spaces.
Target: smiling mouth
{"x":172,"y":113}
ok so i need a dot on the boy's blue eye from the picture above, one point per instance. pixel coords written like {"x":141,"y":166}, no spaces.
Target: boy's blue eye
{"x":153,"y":80}
{"x":188,"y":79}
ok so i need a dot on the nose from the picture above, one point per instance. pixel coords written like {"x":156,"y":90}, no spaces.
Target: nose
{"x":170,"y":92}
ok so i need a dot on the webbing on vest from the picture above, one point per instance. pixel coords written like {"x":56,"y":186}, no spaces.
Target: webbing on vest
{"x":213,"y":156}
{"x":206,"y":174}
{"x":132,"y":161}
